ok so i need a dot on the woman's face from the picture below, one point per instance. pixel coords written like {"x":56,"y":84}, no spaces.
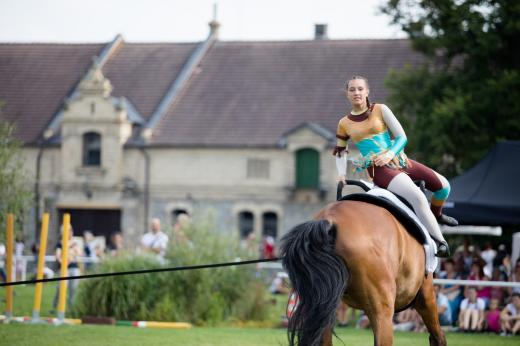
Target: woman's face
{"x":357,"y":92}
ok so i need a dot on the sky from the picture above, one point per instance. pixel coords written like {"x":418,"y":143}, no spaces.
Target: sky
{"x":187,"y":21}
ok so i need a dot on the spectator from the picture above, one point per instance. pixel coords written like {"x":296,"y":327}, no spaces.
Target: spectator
{"x":20,"y":267}
{"x":498,"y":293}
{"x":452,"y":292}
{"x":363,"y":322}
{"x":179,"y":229}
{"x":155,"y":241}
{"x":89,"y":249}
{"x":477,"y":273}
{"x":493,"y":317}
{"x":268,"y":248}
{"x":408,"y":320}
{"x":488,"y":255}
{"x":280,"y":284}
{"x":2,"y":254}
{"x":510,"y":316}
{"x":515,"y":277}
{"x":471,"y":317}
{"x":115,"y":248}
{"x":443,"y":307}
{"x":342,"y":316}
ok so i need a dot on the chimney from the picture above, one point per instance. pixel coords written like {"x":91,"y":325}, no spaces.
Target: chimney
{"x":320,"y":31}
{"x":214,"y":25}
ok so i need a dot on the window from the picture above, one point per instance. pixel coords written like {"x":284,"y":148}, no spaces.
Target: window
{"x":270,"y":224}
{"x":307,"y":169}
{"x":91,"y":149}
{"x":258,"y":169}
{"x":245,"y":223}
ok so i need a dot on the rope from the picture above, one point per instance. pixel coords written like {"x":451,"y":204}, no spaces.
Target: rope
{"x":142,"y":271}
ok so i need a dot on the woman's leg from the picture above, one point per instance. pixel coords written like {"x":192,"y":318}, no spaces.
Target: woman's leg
{"x":474,"y":320}
{"x":436,"y":183}
{"x":403,"y":186}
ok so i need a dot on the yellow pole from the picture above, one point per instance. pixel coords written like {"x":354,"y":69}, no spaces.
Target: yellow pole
{"x":64,"y":265}
{"x":9,"y":266}
{"x":39,"y":272}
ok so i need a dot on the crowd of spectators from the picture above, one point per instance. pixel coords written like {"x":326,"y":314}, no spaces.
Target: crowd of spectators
{"x":478,"y":308}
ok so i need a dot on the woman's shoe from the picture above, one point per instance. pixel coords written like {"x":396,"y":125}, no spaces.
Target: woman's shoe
{"x":447,"y":220}
{"x":443,"y":250}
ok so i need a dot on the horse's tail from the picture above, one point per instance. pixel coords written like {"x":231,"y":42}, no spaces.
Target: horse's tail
{"x":318,"y":276}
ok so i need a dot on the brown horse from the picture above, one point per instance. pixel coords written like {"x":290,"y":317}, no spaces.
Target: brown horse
{"x":360,"y":253}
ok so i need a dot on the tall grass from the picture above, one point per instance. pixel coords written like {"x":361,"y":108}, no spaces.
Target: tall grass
{"x":203,"y":297}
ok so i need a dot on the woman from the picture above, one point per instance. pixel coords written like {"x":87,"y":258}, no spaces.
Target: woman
{"x":477,"y":273}
{"x":370,"y":126}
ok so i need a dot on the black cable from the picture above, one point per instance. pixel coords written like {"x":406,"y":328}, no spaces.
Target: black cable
{"x":143,"y":271}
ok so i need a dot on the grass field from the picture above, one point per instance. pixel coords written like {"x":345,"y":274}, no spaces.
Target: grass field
{"x":108,"y":335}
{"x":25,"y":334}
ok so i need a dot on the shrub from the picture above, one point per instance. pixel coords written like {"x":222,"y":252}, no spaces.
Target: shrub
{"x":203,"y":296}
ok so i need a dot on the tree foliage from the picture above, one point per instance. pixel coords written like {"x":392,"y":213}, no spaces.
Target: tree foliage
{"x":14,"y":189}
{"x":466,"y":96}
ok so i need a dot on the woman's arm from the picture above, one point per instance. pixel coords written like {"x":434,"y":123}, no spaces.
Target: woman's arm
{"x":396,"y":130}
{"x":341,"y":164}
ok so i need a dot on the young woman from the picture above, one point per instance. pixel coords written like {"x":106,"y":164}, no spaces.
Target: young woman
{"x":381,"y":139}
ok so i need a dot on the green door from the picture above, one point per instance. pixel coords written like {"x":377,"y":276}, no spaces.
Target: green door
{"x":307,"y":169}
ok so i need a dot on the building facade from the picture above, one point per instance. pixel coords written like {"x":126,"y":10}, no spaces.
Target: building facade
{"x":238,"y":132}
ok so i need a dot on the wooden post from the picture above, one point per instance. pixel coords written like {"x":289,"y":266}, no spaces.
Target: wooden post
{"x":64,"y":264}
{"x":9,"y":265}
{"x":41,"y":264}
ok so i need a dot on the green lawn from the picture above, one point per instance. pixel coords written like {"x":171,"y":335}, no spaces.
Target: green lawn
{"x":22,"y":334}
{"x":23,"y":299}
{"x":26,"y":334}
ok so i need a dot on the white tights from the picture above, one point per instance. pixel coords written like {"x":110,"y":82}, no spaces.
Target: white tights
{"x":403,"y":186}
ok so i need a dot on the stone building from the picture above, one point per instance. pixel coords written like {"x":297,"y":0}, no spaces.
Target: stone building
{"x":240,"y":131}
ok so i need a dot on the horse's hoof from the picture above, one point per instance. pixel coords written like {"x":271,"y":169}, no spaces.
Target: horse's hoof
{"x":443,"y":250}
{"x":447,"y":220}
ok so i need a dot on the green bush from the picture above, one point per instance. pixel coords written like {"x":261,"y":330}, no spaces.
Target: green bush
{"x":203,"y":297}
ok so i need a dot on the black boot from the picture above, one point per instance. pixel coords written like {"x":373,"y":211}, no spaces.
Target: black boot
{"x":447,"y":220}
{"x":443,"y":250}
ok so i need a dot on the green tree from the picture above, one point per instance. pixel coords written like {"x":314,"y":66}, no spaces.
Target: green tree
{"x":466,"y":96}
{"x":14,"y":188}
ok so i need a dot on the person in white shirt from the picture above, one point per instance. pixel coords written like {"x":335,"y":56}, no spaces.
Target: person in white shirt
{"x":471,"y":316}
{"x":510,"y":316}
{"x":155,"y":241}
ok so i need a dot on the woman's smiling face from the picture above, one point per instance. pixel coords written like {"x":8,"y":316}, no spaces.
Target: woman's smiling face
{"x":357,"y":92}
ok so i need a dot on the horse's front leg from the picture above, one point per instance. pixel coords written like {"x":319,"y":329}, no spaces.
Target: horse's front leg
{"x":426,"y":306}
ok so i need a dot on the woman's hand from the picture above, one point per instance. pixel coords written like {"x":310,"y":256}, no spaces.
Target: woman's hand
{"x":383,"y":159}
{"x":342,"y":178}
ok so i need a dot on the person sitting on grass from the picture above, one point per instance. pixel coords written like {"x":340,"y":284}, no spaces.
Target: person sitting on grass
{"x":471,"y":316}
{"x":510,"y":316}
{"x":493,"y":317}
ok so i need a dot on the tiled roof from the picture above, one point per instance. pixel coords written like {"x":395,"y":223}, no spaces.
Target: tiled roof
{"x":36,"y":78}
{"x":251,"y":93}
{"x":143,"y":72}
{"x":242,"y":94}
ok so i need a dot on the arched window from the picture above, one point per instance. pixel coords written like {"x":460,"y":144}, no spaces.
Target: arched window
{"x":246,"y":221}
{"x":307,"y":168}
{"x":270,"y":224}
{"x":91,"y":149}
